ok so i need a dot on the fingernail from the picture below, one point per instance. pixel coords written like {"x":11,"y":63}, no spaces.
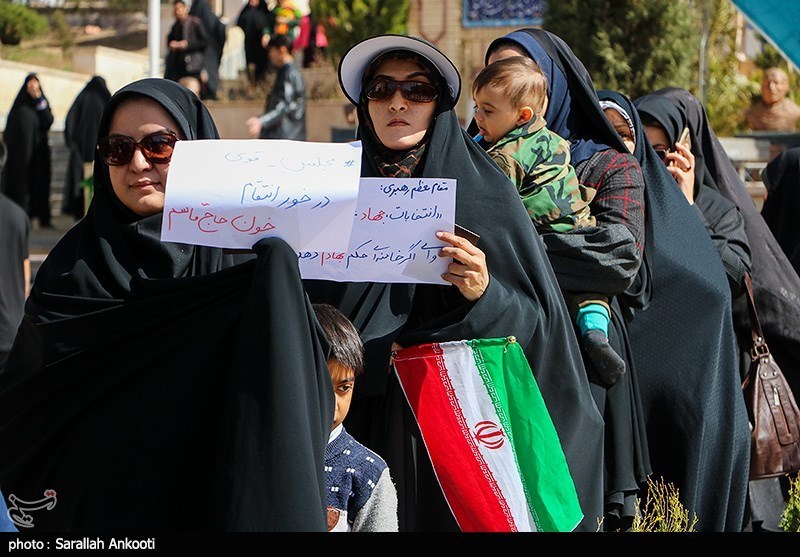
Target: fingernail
{"x":440,"y":234}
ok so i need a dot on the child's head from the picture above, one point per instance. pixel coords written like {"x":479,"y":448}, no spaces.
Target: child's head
{"x":346,"y":361}
{"x":507,"y":94}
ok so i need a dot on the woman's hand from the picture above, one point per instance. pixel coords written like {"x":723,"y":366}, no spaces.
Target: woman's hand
{"x":468,"y":271}
{"x":680,"y":164}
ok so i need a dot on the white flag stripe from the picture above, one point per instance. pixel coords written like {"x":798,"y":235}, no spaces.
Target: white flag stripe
{"x":476,"y":406}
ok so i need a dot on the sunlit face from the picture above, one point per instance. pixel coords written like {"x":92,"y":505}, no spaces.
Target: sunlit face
{"x":399,"y":123}
{"x":774,"y":86}
{"x":496,"y":115}
{"x":622,"y":128}
{"x":140,"y":183}
{"x":343,"y":380}
{"x":33,"y":88}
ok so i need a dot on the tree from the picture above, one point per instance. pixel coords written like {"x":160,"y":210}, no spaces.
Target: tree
{"x":631,"y":46}
{"x":347,"y":22}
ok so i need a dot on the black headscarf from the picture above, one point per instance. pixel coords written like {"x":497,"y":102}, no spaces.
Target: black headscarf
{"x":215,"y":29}
{"x":578,"y":117}
{"x":780,"y":208}
{"x":164,"y":387}
{"x":776,"y":284}
{"x":685,"y":353}
{"x":26,"y":176}
{"x":523,"y":299}
{"x":80,"y":135}
{"x":103,"y":256}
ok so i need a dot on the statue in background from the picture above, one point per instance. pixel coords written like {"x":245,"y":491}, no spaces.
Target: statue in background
{"x":775,"y":111}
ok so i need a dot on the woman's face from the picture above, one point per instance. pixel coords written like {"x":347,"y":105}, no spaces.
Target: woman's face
{"x":140,"y":183}
{"x":33,"y":88}
{"x":399,"y":123}
{"x":622,"y":128}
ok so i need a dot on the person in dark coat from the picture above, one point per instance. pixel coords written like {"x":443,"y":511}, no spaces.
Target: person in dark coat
{"x":26,"y":179}
{"x":164,"y":387}
{"x":503,"y":286}
{"x":664,"y":121}
{"x":187,"y":41}
{"x":285,"y":111}
{"x":80,"y":135}
{"x":697,"y":426}
{"x":773,"y":279}
{"x":15,"y":267}
{"x":216,"y":36}
{"x":782,"y":179}
{"x":255,"y":19}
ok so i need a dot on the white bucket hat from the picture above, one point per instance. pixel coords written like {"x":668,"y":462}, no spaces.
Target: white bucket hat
{"x":360,"y":55}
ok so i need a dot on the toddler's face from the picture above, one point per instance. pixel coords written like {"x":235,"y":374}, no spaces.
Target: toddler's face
{"x":343,"y":380}
{"x":495,"y":114}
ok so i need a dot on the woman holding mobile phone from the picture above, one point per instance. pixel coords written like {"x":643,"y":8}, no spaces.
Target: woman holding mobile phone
{"x":663,"y":118}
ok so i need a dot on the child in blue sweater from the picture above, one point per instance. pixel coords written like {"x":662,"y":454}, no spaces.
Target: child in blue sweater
{"x":361,"y":494}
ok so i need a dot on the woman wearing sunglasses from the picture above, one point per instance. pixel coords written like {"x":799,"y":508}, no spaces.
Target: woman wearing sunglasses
{"x":405,"y":91}
{"x":143,"y":370}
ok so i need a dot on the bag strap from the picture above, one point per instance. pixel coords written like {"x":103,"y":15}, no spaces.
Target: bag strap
{"x":759,"y":350}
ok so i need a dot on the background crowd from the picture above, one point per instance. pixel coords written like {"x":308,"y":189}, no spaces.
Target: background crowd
{"x":673,"y":234}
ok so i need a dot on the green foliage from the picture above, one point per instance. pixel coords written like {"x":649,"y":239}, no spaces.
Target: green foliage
{"x":790,"y":518}
{"x":129,"y":5}
{"x":632,"y":46}
{"x":728,"y":94}
{"x":19,"y":22}
{"x":663,"y":510}
{"x":347,"y":22}
{"x":63,"y":32}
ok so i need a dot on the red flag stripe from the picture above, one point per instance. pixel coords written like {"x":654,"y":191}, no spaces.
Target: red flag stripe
{"x":473,"y":496}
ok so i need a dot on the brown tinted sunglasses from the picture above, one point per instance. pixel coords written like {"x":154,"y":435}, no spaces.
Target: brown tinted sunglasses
{"x":157,"y":147}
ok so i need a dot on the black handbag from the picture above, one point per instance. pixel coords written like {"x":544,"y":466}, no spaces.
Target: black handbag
{"x":771,"y":407}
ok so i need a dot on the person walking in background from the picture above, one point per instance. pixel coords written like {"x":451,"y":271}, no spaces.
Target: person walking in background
{"x":361,"y":494}
{"x":27,"y":175}
{"x":15,"y":268}
{"x":215,"y":43}
{"x":254,"y":18}
{"x":80,"y":135}
{"x":285,"y":112}
{"x":186,"y":41}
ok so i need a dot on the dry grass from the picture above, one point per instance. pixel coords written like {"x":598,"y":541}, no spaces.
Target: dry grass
{"x":663,"y":510}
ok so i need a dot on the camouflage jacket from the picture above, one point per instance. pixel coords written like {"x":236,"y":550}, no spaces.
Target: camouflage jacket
{"x":538,"y":162}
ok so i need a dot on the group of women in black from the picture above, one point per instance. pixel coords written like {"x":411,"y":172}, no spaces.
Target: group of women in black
{"x":145,"y":369}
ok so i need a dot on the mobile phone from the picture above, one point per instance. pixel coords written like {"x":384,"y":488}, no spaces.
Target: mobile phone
{"x":685,"y":139}
{"x":467,"y":234}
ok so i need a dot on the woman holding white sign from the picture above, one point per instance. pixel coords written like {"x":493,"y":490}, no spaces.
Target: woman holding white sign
{"x":143,"y":370}
{"x":405,"y":91}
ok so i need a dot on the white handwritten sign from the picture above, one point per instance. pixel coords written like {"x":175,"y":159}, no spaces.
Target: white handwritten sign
{"x":394,"y":234}
{"x":231,"y":193}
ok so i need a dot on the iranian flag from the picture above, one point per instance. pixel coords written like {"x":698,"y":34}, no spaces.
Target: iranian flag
{"x":489,"y":436}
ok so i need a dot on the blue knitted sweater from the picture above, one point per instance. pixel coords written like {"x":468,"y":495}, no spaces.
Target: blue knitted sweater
{"x":361,"y":495}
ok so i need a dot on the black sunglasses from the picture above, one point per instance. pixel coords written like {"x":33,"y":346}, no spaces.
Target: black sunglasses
{"x":157,"y":147}
{"x":415,"y":91}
